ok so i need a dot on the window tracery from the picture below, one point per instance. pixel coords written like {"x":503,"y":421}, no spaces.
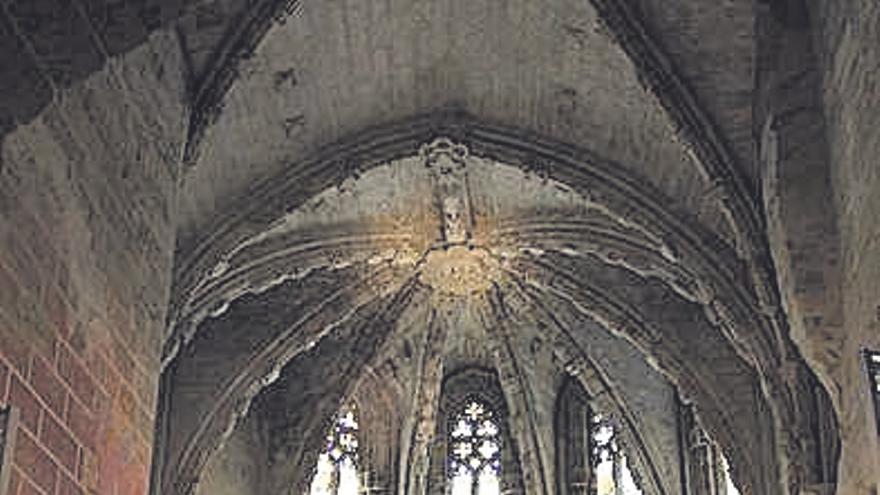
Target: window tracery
{"x":613,"y":476}
{"x":709,"y":469}
{"x":474,"y":451}
{"x":336,"y":472}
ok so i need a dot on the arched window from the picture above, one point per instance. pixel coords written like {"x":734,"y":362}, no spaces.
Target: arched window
{"x":336,"y":472}
{"x":474,"y":462}
{"x":613,"y":476}
{"x":709,"y":469}
{"x":729,"y":487}
{"x":873,"y":359}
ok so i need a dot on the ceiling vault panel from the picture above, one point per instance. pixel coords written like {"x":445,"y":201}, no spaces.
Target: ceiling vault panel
{"x":209,"y":83}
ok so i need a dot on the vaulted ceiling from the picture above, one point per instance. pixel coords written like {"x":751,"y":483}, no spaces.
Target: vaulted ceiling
{"x":520,"y":262}
{"x":553,"y":69}
{"x":517,"y":242}
{"x":608,"y":172}
{"x":572,"y":176}
{"x":610,"y":176}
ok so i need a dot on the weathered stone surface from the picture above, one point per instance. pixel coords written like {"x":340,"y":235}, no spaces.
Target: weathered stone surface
{"x":215,"y":181}
{"x":87,"y":232}
{"x":849,"y":49}
{"x":555,"y":72}
{"x":542,"y":275}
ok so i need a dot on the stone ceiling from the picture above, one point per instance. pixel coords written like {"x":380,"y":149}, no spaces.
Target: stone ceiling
{"x":334,"y":68}
{"x":447,"y":252}
{"x":536,"y":174}
{"x":600,"y":167}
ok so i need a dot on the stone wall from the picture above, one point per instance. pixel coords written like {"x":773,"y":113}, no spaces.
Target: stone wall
{"x":237,"y":468}
{"x":47,"y":46}
{"x":87,"y":213}
{"x":817,"y":92}
{"x":851,"y":51}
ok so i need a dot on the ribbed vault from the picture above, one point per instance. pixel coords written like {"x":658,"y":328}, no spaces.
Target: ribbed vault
{"x":465,"y":240}
{"x":455,"y":183}
{"x":556,"y":70}
{"x":594,"y":198}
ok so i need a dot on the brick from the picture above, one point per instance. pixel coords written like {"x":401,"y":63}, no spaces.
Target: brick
{"x":67,"y":486}
{"x":146,"y":393}
{"x":60,"y":443}
{"x":14,"y":482}
{"x":28,"y":488}
{"x":76,"y":376}
{"x":88,"y":472}
{"x":145,"y":423}
{"x":29,"y":407}
{"x":83,"y":425}
{"x":134,"y":482}
{"x":120,"y":358}
{"x":127,"y":404}
{"x":48,"y":386}
{"x":103,"y":403}
{"x":77,"y":338}
{"x":35,"y":463}
{"x":100,"y":370}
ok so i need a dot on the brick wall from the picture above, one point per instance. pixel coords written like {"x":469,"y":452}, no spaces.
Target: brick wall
{"x":86,"y":241}
{"x":85,"y":427}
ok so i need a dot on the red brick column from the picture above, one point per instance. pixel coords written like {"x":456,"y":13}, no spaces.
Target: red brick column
{"x":85,"y":421}
{"x":87,"y":235}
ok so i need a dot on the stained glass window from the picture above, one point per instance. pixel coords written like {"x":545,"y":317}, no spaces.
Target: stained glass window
{"x":474,"y":451}
{"x":336,"y":472}
{"x":613,"y":476}
{"x":729,"y":487}
{"x":873,"y":359}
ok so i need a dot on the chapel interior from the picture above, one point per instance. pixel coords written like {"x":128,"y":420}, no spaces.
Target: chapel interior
{"x":439,"y":247}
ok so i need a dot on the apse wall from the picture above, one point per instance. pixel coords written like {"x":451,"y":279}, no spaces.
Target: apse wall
{"x":819,"y":146}
{"x":87,"y":228}
{"x":851,"y":37}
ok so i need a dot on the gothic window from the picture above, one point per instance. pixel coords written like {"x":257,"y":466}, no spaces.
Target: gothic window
{"x":709,"y":471}
{"x":336,"y":472}
{"x":573,"y":457}
{"x":873,"y":359}
{"x":613,"y":476}
{"x":474,"y":451}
